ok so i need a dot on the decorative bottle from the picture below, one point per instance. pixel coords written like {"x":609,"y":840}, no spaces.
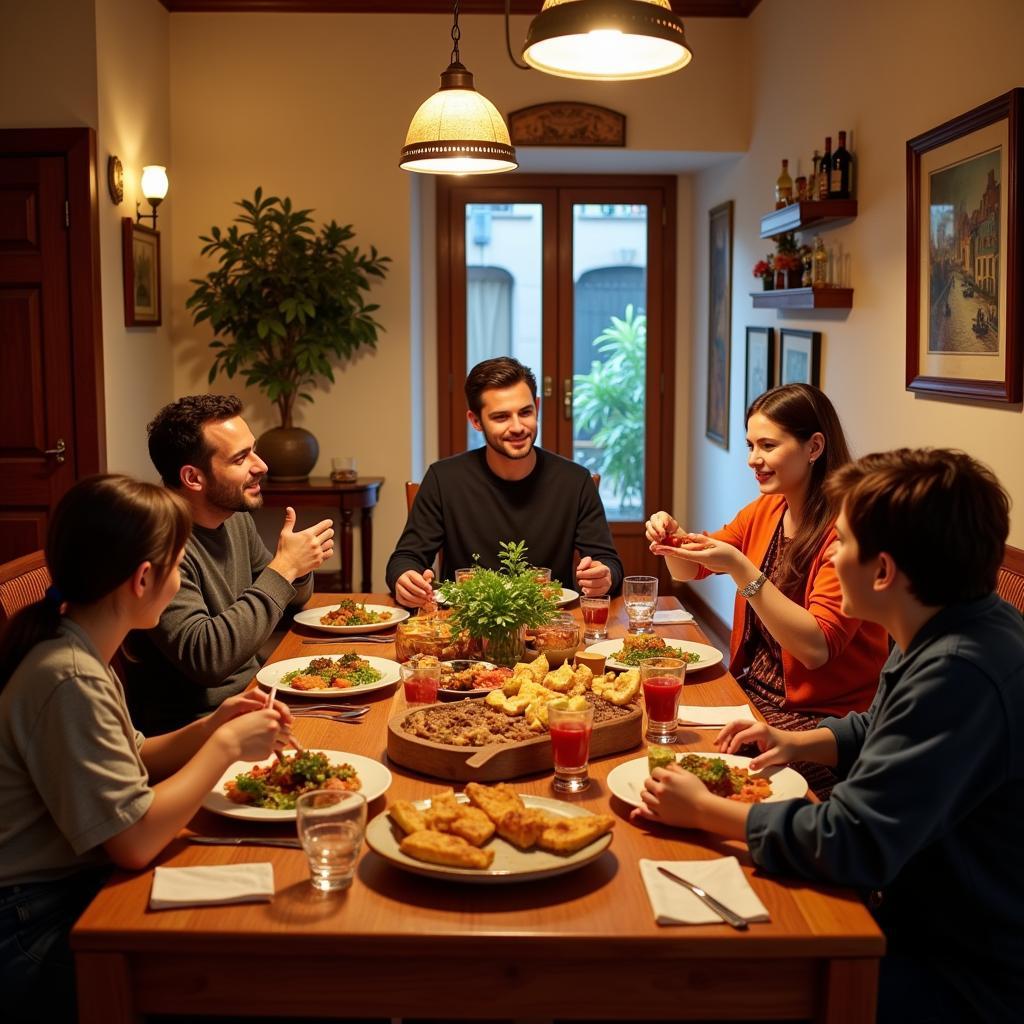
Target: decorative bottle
{"x":826,"y":170}
{"x":812,"y":185}
{"x":839,"y":174}
{"x":783,"y":187}
{"x":819,"y":260}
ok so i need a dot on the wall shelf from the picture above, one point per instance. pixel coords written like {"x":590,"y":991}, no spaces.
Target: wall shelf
{"x":804,"y":298}
{"x":798,"y":216}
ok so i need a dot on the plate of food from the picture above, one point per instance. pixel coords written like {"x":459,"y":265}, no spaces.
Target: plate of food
{"x":465,"y":678}
{"x":630,"y":651}
{"x":267,"y":790}
{"x":329,"y":677}
{"x":568,"y":596}
{"x":725,"y":774}
{"x":489,"y":834}
{"x":350,"y":616}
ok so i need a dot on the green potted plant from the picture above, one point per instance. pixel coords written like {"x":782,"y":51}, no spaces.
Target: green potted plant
{"x":285,"y":301}
{"x":496,"y":606}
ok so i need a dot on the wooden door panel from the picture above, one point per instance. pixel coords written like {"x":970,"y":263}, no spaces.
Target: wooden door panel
{"x":21,"y":532}
{"x":22,"y":419}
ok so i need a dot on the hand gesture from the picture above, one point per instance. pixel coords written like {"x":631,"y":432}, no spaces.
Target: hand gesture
{"x":256,"y":735}
{"x":593,"y":578}
{"x":659,"y":528}
{"x":699,"y":548}
{"x":776,"y":745}
{"x":413,"y":589}
{"x":671,"y":796}
{"x":302,"y":552}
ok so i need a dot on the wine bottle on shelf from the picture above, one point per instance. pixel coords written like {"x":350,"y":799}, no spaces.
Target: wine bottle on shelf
{"x":839,"y":172}
{"x":812,"y":185}
{"x":826,"y":169}
{"x":783,"y":187}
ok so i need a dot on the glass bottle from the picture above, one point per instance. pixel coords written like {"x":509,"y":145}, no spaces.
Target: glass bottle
{"x":783,"y":187}
{"x":839,"y":175}
{"x":826,"y":169}
{"x":819,"y":260}
{"x":812,"y":185}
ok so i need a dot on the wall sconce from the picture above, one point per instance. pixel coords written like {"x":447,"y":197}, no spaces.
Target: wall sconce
{"x":154,"y":188}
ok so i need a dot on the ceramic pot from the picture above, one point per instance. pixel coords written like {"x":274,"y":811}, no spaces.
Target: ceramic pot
{"x":289,"y":452}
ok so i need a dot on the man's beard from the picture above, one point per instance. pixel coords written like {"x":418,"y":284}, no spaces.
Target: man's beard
{"x":496,"y":445}
{"x":230,"y":499}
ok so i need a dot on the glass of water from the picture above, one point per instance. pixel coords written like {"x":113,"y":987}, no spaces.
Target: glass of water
{"x":640,"y":596}
{"x":331,"y":823}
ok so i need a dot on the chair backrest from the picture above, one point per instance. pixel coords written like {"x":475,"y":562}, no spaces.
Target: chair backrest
{"x":1010,"y":583}
{"x":22,"y":582}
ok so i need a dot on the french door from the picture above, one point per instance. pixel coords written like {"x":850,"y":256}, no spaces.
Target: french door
{"x":573,"y":276}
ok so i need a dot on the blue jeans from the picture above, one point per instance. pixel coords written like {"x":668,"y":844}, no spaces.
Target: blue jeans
{"x":37,"y":970}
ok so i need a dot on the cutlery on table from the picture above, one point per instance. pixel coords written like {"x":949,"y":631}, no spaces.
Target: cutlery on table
{"x":727,"y":915}
{"x":355,"y":640}
{"x":292,"y":844}
{"x":355,"y":719}
{"x":358,"y":708}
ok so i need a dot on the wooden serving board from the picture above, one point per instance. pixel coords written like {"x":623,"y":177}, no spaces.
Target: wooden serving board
{"x":500,"y":761}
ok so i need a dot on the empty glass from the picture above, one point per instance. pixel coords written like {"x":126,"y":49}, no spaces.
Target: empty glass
{"x":640,"y":596}
{"x":331,"y":824}
{"x":343,"y":469}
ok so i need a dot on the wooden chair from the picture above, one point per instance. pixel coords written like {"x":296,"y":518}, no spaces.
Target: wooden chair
{"x":22,"y":582}
{"x":412,"y":489}
{"x":1010,"y":583}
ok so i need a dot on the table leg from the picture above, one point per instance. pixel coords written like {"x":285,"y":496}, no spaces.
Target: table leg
{"x":366,"y":549}
{"x":104,"y":989}
{"x":346,"y":551}
{"x":849,"y":992}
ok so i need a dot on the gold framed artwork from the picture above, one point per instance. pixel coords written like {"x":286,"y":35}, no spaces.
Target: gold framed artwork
{"x":140,"y":250}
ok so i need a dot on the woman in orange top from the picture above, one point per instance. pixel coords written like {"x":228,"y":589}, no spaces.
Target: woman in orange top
{"x":795,"y":654}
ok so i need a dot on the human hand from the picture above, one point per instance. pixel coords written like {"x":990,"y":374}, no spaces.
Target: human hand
{"x":304,"y":551}
{"x":672,"y":796}
{"x":660,"y":527}
{"x":700,"y":549}
{"x":777,"y":746}
{"x":413,"y":589}
{"x":254,"y":736}
{"x":593,"y":578}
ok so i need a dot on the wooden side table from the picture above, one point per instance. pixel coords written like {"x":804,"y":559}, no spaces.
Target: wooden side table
{"x":321,"y":492}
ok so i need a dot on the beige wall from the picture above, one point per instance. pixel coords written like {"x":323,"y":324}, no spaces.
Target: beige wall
{"x":884,"y":72}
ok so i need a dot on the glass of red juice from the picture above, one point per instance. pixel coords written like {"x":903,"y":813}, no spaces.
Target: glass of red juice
{"x":662,"y":683}
{"x":420,"y":681}
{"x":570,"y":747}
{"x":595,"y":617}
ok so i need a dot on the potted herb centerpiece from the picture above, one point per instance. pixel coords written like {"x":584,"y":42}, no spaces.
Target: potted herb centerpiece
{"x":285,"y":301}
{"x":496,"y":606}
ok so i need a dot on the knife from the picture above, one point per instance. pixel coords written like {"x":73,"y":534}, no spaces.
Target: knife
{"x":727,"y":915}
{"x":292,"y":844}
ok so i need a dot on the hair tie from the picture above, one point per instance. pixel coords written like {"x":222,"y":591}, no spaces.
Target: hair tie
{"x":54,"y":597}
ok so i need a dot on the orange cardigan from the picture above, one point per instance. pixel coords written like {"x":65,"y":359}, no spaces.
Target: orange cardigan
{"x":856,"y":649}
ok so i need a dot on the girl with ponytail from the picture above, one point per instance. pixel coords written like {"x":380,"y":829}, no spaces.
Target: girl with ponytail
{"x":81,"y":789}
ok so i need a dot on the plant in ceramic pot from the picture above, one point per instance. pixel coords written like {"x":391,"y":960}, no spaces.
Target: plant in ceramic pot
{"x":285,"y":302}
{"x":496,"y":606}
{"x":763,"y":270}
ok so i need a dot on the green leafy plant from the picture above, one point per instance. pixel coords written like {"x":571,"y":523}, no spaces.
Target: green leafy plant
{"x":285,"y":300}
{"x":610,"y":401}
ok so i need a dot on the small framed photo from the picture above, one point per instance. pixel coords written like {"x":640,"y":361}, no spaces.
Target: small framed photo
{"x":800,"y":357}
{"x":141,"y":255}
{"x":760,"y":362}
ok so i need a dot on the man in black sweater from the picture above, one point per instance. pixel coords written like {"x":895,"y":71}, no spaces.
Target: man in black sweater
{"x":509,"y":490}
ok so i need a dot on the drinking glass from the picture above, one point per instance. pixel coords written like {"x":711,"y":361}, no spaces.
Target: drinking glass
{"x":640,"y":596}
{"x":331,"y":823}
{"x":541,"y":573}
{"x":570,"y":747}
{"x":595,"y":617}
{"x":461,"y":575}
{"x":343,"y":469}
{"x":557,"y":639}
{"x":662,"y":682}
{"x":420,"y":680}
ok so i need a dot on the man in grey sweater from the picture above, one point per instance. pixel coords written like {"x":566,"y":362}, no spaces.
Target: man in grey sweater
{"x":233,"y":591}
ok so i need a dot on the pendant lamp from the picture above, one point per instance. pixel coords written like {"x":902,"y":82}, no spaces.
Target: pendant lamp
{"x":457,"y":130}
{"x":607,"y":40}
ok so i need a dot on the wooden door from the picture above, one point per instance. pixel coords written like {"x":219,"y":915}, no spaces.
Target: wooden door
{"x":49,"y":376}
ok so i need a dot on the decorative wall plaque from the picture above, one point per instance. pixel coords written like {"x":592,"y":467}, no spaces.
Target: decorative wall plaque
{"x":567,"y":124}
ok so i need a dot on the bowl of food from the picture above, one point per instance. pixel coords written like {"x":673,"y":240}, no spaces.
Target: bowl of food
{"x":431,"y":635}
{"x":557,"y":640}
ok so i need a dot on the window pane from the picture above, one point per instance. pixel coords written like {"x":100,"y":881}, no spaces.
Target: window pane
{"x":504,"y":272}
{"x":610,"y":350}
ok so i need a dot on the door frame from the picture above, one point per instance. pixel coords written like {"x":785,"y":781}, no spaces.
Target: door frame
{"x":78,"y":148}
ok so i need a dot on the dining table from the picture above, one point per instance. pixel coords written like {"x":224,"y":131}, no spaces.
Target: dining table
{"x":578,"y":946}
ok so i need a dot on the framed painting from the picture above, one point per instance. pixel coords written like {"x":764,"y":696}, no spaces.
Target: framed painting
{"x":800,"y":357}
{"x":719,"y":322}
{"x":760,"y":362}
{"x":965,"y":229}
{"x":140,"y":250}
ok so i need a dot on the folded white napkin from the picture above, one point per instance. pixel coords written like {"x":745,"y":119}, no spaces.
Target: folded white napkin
{"x":211,"y":884}
{"x":667,"y":618}
{"x":722,"y":878}
{"x":692,"y":714}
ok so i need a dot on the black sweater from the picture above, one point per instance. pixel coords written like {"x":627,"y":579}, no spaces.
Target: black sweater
{"x":463,"y":509}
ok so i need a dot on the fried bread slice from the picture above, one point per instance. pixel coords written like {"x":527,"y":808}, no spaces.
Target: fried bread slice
{"x":407,"y":817}
{"x":521,"y":828}
{"x":443,"y":848}
{"x":494,"y":801}
{"x":473,"y":825}
{"x":567,"y":835}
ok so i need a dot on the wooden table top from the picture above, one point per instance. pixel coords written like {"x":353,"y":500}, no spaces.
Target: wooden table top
{"x":597,"y":914}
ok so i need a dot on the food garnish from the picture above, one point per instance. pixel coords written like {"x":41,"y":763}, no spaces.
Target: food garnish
{"x":636,"y":649}
{"x":339,"y":673}
{"x":277,"y":786}
{"x":352,"y":613}
{"x":718,"y":776}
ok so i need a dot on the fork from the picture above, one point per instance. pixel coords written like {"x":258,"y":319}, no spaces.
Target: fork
{"x":360,"y":708}
{"x":355,"y":640}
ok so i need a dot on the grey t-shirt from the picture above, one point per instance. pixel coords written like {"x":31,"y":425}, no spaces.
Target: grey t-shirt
{"x":71,"y":771}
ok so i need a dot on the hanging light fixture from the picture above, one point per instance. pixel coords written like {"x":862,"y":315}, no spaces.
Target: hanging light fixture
{"x":457,"y":130}
{"x":606,"y":40}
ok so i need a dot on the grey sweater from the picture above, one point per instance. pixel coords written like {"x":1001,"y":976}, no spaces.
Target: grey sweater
{"x":204,"y":648}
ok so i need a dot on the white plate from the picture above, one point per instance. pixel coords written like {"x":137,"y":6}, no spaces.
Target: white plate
{"x":444,"y":693}
{"x":270,"y":675}
{"x":708,"y":655}
{"x":374,"y":776}
{"x":626,"y":780}
{"x":568,"y":596}
{"x":510,"y":863}
{"x":311,"y":618}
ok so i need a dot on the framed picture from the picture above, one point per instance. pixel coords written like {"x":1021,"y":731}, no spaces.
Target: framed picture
{"x":965,"y":229}
{"x":760,"y":362}
{"x":141,"y":255}
{"x":719,"y":322}
{"x":800,"y":357}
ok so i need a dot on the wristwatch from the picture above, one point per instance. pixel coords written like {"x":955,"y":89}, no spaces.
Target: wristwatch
{"x":753,"y":588}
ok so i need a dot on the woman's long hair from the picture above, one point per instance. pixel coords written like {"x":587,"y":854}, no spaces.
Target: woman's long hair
{"x":102,"y":530}
{"x":802,"y":411}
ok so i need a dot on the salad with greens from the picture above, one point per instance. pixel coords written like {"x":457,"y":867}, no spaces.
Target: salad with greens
{"x":277,"y":786}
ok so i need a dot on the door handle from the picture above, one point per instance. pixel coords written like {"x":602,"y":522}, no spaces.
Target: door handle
{"x":567,"y":397}
{"x":59,"y":451}
{"x":548,"y":389}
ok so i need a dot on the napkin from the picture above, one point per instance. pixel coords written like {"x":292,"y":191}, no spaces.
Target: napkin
{"x":692,"y":714}
{"x":722,"y":878}
{"x":211,"y":884}
{"x":667,"y":618}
